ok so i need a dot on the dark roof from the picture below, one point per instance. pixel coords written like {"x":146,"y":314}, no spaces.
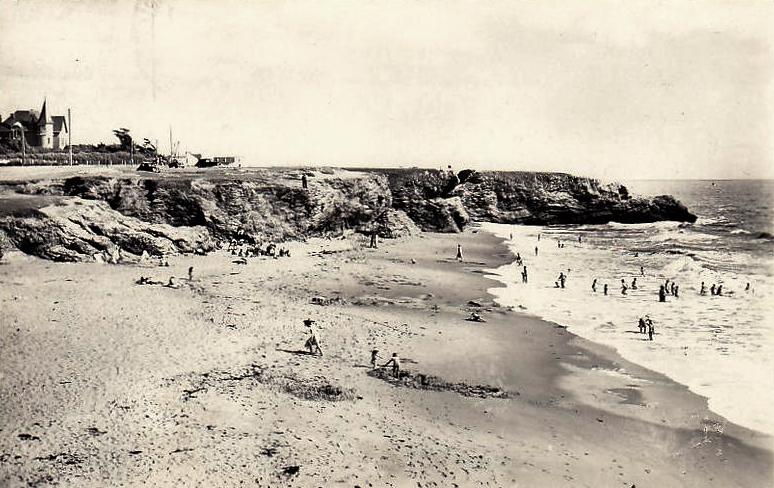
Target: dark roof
{"x":59,"y":122}
{"x":26,"y":117}
{"x":44,"y":117}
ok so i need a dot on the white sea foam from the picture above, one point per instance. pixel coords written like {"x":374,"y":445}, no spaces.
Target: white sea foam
{"x":719,"y":346}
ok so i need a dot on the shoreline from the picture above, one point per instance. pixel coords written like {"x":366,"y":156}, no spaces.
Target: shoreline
{"x":572,"y":418}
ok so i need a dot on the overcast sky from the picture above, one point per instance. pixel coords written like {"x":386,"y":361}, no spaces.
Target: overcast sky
{"x":618,"y":90}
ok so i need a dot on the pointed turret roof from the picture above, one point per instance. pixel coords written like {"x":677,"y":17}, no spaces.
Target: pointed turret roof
{"x":44,"y":117}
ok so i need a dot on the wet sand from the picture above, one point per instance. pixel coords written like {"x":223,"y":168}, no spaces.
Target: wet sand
{"x":105,"y":382}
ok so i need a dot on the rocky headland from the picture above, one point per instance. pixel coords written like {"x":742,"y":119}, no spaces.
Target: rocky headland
{"x":79,"y":217}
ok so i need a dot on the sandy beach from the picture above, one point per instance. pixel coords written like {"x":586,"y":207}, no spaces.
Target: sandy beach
{"x":105,"y":382}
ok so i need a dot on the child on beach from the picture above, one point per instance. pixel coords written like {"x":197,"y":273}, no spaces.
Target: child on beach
{"x":395,"y":361}
{"x":312,"y":343}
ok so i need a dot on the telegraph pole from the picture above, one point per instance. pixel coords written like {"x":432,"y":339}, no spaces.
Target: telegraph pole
{"x":70,"y":137}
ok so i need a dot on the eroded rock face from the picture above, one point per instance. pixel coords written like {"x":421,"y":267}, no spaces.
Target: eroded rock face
{"x":78,"y":217}
{"x":522,"y":198}
{"x":76,"y":230}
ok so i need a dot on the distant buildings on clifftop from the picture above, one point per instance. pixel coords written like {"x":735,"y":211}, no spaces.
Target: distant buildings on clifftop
{"x":38,"y":129}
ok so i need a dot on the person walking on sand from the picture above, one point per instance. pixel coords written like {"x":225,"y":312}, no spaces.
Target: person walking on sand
{"x":374,"y":355}
{"x":642,"y":271}
{"x":459,"y":253}
{"x":312,"y":343}
{"x":604,"y":289}
{"x":641,"y":325}
{"x":395,"y":361}
{"x":594,"y":285}
{"x":651,"y":330}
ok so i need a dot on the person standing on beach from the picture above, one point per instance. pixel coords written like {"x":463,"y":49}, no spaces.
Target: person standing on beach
{"x":677,"y":291}
{"x":594,"y":285}
{"x":536,"y":250}
{"x":312,"y":343}
{"x":372,"y":244}
{"x":641,"y":325}
{"x":623,"y":287}
{"x":604,"y":289}
{"x":634,"y":283}
{"x":304,"y":182}
{"x":459,"y":252}
{"x":720,"y":290}
{"x":538,"y":236}
{"x":562,"y":277}
{"x":190,"y":273}
{"x":712,"y":289}
{"x":524,"y":277}
{"x":579,"y":239}
{"x":651,"y":330}
{"x":661,"y":293}
{"x":642,"y":271}
{"x":395,"y":361}
{"x":374,"y":355}
{"x":703,"y":290}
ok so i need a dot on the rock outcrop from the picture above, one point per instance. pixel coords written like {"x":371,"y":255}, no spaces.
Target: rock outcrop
{"x":78,"y":217}
{"x":521,"y":198}
{"x":76,"y":230}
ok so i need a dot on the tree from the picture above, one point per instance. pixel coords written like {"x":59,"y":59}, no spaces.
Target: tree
{"x":124,"y":137}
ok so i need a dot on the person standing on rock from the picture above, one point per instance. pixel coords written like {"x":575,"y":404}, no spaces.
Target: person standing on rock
{"x":459,"y":253}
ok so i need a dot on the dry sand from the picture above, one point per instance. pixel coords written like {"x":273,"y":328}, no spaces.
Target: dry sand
{"x":108,"y":383}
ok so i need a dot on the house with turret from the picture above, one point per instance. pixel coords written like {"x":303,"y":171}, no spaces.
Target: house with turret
{"x":36,"y":129}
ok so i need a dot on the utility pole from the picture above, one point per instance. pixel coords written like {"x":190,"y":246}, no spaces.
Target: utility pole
{"x":70,"y":136}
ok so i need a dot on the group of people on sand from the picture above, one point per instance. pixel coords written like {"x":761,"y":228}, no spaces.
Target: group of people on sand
{"x":246,"y":250}
{"x":172,"y":283}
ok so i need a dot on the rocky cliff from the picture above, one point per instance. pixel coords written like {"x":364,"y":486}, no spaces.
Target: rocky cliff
{"x":443,"y":201}
{"x":80,"y":217}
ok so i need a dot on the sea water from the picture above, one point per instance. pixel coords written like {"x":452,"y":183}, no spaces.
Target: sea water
{"x":721,"y":347}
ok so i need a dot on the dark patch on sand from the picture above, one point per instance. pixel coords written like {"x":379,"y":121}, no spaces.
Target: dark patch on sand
{"x":421,"y":381}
